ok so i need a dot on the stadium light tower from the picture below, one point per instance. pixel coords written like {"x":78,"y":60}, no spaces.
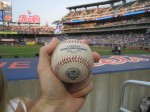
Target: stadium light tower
{"x":29,"y":13}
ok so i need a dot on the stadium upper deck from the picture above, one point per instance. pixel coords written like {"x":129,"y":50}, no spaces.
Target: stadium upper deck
{"x":107,"y":16}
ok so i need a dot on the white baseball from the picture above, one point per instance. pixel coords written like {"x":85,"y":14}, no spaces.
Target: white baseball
{"x":72,"y":61}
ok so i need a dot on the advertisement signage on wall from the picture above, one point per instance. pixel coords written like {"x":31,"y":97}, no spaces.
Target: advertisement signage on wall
{"x":7,"y":16}
{"x":26,"y":68}
{"x":8,"y":32}
{"x":28,"y":18}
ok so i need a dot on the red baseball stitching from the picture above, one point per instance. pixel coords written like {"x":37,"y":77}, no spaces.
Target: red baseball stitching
{"x":72,"y":59}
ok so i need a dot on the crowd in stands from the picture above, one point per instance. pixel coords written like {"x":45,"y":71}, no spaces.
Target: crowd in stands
{"x":27,"y":29}
{"x":93,"y":14}
{"x":95,"y":24}
{"x":130,"y":39}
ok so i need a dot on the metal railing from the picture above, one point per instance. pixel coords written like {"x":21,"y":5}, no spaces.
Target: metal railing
{"x":125,"y":84}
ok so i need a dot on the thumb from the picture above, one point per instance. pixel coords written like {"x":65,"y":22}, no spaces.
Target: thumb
{"x":45,"y":54}
{"x":47,"y":78}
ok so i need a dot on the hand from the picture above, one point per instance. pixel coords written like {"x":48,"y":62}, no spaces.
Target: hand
{"x":57,"y":96}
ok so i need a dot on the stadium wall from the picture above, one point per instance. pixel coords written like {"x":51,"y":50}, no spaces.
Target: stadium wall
{"x":104,"y":97}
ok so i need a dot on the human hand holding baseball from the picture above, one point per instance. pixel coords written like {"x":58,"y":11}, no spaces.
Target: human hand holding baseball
{"x":57,"y":96}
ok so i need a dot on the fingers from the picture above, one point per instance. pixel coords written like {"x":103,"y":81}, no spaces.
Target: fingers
{"x":28,"y":102}
{"x":85,"y":41}
{"x":96,"y":56}
{"x":81,"y":89}
{"x":52,"y":45}
{"x":75,"y":87}
{"x":84,"y":91}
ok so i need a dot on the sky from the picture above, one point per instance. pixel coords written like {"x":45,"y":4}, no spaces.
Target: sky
{"x":48,"y":10}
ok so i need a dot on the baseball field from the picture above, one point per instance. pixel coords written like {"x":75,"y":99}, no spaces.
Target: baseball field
{"x":27,"y":51}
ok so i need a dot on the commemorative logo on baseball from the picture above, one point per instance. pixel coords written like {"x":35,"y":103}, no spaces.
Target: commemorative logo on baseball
{"x":73,"y":48}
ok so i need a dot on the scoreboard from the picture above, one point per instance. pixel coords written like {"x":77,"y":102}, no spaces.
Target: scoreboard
{"x":1,"y":15}
{"x":5,"y":11}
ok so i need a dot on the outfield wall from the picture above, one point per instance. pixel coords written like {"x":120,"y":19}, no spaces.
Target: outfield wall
{"x":26,"y":68}
{"x":104,"y":97}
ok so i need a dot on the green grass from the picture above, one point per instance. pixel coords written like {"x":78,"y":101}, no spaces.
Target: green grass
{"x":26,"y":51}
{"x":107,"y":51}
{"x":23,"y":51}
